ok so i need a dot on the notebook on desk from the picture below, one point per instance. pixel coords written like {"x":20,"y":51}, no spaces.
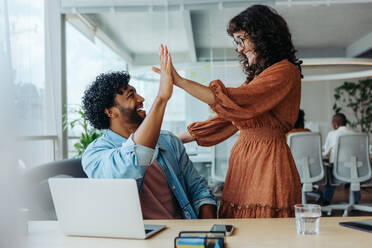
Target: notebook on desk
{"x":100,"y":208}
{"x":363,"y":225}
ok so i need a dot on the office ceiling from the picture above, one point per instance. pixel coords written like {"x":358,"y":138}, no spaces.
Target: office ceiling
{"x":196,"y":30}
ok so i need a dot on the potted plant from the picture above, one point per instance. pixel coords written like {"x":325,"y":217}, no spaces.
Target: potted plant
{"x":358,"y":98}
{"x":88,"y":133}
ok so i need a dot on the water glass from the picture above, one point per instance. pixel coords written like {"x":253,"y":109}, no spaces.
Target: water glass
{"x":307,"y":218}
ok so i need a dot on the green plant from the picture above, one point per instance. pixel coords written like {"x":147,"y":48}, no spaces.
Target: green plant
{"x":87,"y":135}
{"x":357,"y":97}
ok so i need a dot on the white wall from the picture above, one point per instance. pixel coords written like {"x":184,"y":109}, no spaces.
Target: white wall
{"x":317,"y":98}
{"x":317,"y":102}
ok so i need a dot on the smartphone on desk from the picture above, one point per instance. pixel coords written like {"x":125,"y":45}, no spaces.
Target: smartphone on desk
{"x":228,"y":229}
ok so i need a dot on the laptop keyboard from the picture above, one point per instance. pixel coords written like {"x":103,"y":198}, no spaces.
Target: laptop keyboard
{"x":148,"y":230}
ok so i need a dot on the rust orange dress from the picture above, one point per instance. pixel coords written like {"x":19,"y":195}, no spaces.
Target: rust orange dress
{"x":262,"y":180}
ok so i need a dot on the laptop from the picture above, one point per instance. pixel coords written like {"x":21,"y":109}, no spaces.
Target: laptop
{"x":362,"y":225}
{"x":100,"y":208}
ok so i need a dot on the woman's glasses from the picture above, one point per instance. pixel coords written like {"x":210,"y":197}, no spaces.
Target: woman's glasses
{"x":238,"y":42}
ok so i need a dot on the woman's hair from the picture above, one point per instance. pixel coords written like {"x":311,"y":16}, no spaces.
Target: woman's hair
{"x":300,"y":123}
{"x":270,"y":35}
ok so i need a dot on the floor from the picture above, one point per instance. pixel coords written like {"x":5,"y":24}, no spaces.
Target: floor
{"x":342,"y":195}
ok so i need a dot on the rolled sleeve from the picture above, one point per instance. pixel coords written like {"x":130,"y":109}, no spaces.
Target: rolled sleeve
{"x":204,"y":201}
{"x":144,"y":155}
{"x":108,"y":158}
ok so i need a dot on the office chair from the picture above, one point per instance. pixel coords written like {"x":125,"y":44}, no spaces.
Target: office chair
{"x":306,"y":151}
{"x":38,"y":197}
{"x":352,"y":166}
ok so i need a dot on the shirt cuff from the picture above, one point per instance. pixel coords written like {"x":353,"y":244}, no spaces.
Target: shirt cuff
{"x":144,"y":155}
{"x":204,"y":201}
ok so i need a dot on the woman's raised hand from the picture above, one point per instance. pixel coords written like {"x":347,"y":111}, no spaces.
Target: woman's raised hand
{"x":166,"y":82}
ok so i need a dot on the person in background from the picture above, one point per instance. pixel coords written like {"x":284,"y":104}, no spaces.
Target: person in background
{"x":262,"y":180}
{"x":134,"y":147}
{"x":339,"y":125}
{"x":299,"y":126}
{"x":339,"y":128}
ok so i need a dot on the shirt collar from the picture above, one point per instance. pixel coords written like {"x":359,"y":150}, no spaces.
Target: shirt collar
{"x":118,"y":139}
{"x":114,"y":137}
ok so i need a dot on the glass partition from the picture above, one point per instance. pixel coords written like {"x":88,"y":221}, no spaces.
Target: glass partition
{"x":24,"y":39}
{"x":86,"y":59}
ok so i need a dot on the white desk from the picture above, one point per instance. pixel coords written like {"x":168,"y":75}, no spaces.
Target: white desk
{"x":248,"y":233}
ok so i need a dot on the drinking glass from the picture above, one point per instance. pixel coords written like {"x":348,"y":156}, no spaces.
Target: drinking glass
{"x":307,"y":218}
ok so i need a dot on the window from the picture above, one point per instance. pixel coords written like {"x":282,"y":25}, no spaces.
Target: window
{"x":85,"y":60}
{"x":26,"y":39}
{"x":23,"y":25}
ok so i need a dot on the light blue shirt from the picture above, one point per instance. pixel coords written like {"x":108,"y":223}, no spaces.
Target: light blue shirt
{"x":113,"y":156}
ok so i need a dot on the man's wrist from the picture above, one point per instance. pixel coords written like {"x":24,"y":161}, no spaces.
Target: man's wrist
{"x":208,"y":211}
{"x":160,"y":99}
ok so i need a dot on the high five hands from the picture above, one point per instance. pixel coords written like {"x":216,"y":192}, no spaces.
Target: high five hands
{"x":175,"y":76}
{"x":166,"y":85}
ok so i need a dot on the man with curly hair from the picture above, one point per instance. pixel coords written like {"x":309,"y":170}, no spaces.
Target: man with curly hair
{"x":134,"y":147}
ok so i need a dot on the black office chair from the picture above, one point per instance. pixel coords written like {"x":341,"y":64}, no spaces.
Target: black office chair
{"x":38,"y":197}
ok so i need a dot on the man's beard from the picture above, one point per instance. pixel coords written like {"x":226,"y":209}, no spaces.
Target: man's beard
{"x":131,"y":115}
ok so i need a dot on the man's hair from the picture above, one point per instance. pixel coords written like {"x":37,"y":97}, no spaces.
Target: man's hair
{"x":270,"y":35}
{"x":300,"y":123}
{"x":100,"y":96}
{"x":339,"y":119}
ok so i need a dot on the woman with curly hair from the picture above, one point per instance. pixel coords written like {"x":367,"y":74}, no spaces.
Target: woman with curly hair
{"x":262,"y":180}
